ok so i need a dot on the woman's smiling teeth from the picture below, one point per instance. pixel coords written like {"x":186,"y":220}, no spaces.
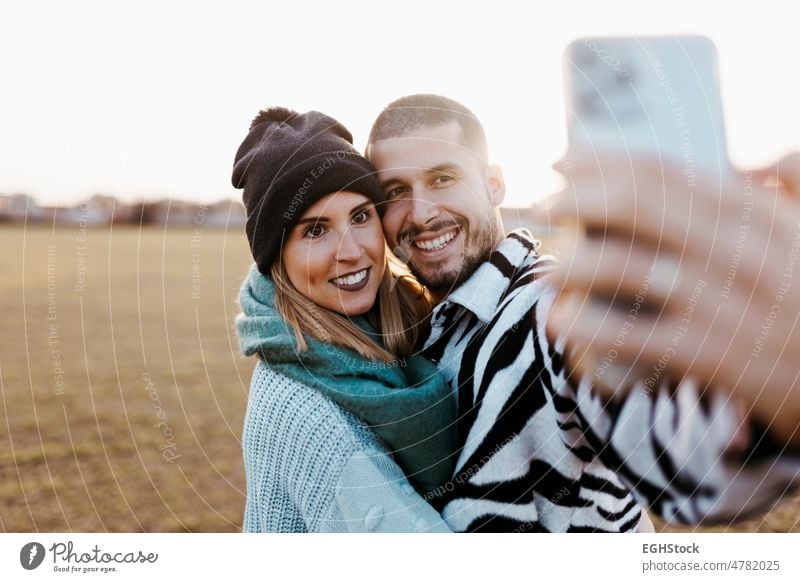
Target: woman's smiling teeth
{"x":353,"y":279}
{"x":437,"y":243}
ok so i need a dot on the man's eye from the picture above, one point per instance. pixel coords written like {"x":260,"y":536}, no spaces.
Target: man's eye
{"x":396,"y":192}
{"x":314,"y":231}
{"x":361,"y":217}
{"x":443,"y":179}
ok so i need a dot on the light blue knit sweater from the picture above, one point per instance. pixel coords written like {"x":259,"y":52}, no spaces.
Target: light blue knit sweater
{"x":311,"y":466}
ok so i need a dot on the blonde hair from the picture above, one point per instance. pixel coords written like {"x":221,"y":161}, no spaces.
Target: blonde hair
{"x":400,"y":309}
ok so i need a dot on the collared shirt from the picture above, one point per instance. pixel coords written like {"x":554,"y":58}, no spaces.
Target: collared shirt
{"x":538,"y":453}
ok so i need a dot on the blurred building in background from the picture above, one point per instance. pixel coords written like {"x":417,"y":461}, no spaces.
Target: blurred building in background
{"x":100,"y":210}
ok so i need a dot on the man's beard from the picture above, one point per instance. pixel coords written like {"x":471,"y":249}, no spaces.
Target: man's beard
{"x":478,"y":246}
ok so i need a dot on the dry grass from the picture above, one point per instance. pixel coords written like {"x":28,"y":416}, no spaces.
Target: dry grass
{"x":87,"y":457}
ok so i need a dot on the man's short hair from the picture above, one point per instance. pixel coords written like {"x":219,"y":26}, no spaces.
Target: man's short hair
{"x":405,"y":115}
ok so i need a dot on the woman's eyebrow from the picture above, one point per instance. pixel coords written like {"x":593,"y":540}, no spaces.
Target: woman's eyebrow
{"x":313,"y":219}
{"x":318,"y":219}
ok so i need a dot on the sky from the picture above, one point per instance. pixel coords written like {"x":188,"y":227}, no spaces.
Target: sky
{"x":151,"y":99}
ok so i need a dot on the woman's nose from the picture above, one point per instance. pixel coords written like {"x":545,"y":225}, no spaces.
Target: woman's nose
{"x":349,"y":248}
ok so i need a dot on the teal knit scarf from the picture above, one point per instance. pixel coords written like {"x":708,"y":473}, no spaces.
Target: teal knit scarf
{"x":405,"y":402}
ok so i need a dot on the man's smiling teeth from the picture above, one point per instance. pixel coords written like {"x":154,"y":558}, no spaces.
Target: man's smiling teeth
{"x":437,"y":243}
{"x":351,"y":279}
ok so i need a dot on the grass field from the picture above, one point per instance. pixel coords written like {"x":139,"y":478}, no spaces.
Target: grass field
{"x":123,"y":391}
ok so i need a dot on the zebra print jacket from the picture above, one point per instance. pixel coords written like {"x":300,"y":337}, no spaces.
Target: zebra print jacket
{"x":539,"y":454}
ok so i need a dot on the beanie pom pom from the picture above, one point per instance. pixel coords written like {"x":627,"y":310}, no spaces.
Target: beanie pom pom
{"x":277,"y":114}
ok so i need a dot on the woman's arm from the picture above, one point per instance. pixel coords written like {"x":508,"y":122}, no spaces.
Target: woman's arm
{"x":374,"y":495}
{"x":311,"y":466}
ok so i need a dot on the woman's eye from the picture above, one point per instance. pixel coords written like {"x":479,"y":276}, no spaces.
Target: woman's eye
{"x":361,"y":217}
{"x":314,"y":231}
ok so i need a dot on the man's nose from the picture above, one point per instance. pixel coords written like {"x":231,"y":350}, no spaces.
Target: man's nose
{"x":349,"y":248}
{"x":423,"y":209}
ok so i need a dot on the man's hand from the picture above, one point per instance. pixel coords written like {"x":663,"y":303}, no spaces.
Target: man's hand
{"x":672,"y":276}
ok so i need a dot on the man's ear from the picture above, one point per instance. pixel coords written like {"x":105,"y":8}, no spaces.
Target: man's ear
{"x":495,"y":183}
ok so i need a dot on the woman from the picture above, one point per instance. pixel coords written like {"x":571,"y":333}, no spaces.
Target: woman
{"x":329,"y":319}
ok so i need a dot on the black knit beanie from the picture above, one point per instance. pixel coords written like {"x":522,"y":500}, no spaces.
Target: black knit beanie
{"x":288,"y":162}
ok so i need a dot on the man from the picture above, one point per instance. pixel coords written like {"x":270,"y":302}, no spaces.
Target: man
{"x":537,"y":452}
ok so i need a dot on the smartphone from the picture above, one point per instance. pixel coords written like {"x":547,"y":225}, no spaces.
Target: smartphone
{"x":657,"y":96}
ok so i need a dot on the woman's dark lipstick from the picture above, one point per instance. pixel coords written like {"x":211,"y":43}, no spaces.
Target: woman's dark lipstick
{"x":354,"y":286}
